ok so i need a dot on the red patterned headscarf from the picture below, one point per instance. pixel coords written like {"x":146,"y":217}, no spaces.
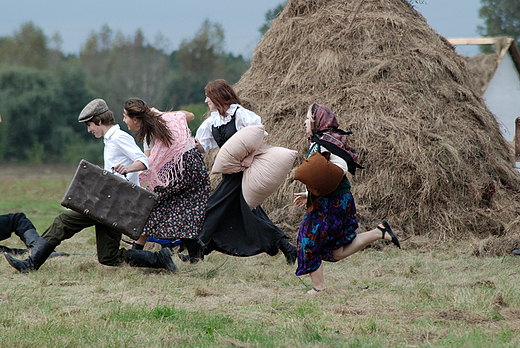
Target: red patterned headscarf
{"x":325,"y":132}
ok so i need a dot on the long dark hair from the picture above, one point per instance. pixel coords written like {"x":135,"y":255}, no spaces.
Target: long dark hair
{"x":152,"y":124}
{"x":222,"y":95}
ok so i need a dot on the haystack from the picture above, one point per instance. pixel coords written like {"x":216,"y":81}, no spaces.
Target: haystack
{"x":482,"y":67}
{"x":436,"y":163}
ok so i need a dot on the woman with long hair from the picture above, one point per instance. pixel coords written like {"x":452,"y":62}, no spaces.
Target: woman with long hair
{"x":176,"y":173}
{"x":231,"y":226}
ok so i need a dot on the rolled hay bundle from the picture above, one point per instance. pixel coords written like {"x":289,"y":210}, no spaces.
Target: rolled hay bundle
{"x":436,"y":162}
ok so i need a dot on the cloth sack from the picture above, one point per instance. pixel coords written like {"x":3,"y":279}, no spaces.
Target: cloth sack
{"x":268,"y":169}
{"x":237,"y":152}
{"x":319,"y":174}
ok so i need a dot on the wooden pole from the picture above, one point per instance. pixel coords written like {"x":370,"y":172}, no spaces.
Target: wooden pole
{"x":517,"y":139}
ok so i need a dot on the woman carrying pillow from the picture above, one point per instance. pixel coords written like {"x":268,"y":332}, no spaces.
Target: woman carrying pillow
{"x":328,"y":230}
{"x":176,"y":173}
{"x":231,"y":226}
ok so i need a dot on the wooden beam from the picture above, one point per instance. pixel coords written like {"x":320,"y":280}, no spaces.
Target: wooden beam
{"x":478,"y":41}
{"x":517,"y":139}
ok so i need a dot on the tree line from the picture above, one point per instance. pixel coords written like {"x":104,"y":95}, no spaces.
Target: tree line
{"x":43,"y":90}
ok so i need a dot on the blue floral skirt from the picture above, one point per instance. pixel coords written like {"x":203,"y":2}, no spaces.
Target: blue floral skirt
{"x":330,"y":225}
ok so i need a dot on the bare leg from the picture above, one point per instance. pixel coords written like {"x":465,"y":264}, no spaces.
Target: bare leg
{"x":317,"y":280}
{"x":361,"y":241}
{"x":141,"y":241}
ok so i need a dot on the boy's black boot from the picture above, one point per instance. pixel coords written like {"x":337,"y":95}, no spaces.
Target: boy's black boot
{"x":30,"y":237}
{"x":143,"y":258}
{"x":289,"y":251}
{"x":39,"y":254}
{"x":136,"y":246}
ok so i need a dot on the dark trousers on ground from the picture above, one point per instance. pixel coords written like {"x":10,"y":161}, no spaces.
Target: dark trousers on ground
{"x":16,"y":222}
{"x":108,"y":240}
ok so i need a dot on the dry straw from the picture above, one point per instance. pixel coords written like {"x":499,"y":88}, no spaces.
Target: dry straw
{"x":436,"y":162}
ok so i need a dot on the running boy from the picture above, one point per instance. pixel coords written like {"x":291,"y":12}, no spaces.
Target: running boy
{"x":121,"y":153}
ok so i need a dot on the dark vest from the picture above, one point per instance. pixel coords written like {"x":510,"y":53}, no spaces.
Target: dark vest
{"x":222,"y":133}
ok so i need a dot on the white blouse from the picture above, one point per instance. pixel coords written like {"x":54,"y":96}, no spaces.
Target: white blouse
{"x":243,"y":118}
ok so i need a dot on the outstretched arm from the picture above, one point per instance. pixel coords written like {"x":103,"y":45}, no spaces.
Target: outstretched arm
{"x":134,"y":167}
{"x":189,"y":116}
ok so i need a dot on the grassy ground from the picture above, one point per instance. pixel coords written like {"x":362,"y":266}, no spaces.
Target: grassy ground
{"x":425,"y":295}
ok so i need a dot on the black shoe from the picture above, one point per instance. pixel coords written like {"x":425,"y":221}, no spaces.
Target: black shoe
{"x":143,"y":258}
{"x":387,"y":229}
{"x":13,"y":251}
{"x":165,"y":259}
{"x":39,"y":254}
{"x":195,"y":249}
{"x":289,"y":250}
{"x":183,"y":257}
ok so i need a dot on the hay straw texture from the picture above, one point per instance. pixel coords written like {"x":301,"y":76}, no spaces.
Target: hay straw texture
{"x":482,"y":67}
{"x":436,"y":162}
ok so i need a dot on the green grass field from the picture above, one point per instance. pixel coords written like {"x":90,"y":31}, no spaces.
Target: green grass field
{"x":429,"y":294}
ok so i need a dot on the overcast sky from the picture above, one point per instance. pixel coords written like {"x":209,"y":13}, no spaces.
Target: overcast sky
{"x":180,"y":19}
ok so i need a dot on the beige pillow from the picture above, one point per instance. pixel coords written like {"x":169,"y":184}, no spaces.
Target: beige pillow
{"x":268,"y":170}
{"x":235,"y":155}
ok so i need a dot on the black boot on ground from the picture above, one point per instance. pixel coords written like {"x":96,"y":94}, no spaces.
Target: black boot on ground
{"x":195,"y":250}
{"x":289,"y":251}
{"x":159,"y":259}
{"x":39,"y":254}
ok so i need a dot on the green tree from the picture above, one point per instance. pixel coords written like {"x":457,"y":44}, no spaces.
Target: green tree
{"x":27,"y":47}
{"x":202,"y":54}
{"x":40,"y":109}
{"x":270,"y":16}
{"x":119,"y":68}
{"x":235,"y":67}
{"x":501,"y":18}
{"x":30,"y":100}
{"x":183,"y":88}
{"x":199,"y":61}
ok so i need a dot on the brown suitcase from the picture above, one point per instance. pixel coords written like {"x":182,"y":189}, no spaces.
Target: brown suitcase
{"x":109,"y":199}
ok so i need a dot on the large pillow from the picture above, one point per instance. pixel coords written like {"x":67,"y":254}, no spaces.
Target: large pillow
{"x":268,"y":170}
{"x":236,"y":153}
{"x":319,"y":174}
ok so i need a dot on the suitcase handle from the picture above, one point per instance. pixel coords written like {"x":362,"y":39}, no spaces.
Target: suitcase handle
{"x":113,"y":172}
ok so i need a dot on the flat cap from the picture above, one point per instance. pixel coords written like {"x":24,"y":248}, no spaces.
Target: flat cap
{"x":94,"y":108}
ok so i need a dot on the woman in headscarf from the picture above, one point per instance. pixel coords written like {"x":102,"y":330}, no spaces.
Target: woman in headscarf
{"x":328,"y":230}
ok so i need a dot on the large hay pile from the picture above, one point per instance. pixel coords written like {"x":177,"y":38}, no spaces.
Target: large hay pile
{"x":482,"y":67}
{"x":436,"y":163}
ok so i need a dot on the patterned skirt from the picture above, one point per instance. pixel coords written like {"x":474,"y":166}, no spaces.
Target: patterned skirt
{"x":330,"y":225}
{"x":181,"y":207}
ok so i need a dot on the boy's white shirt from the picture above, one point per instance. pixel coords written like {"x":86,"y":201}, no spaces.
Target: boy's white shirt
{"x":120,"y":147}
